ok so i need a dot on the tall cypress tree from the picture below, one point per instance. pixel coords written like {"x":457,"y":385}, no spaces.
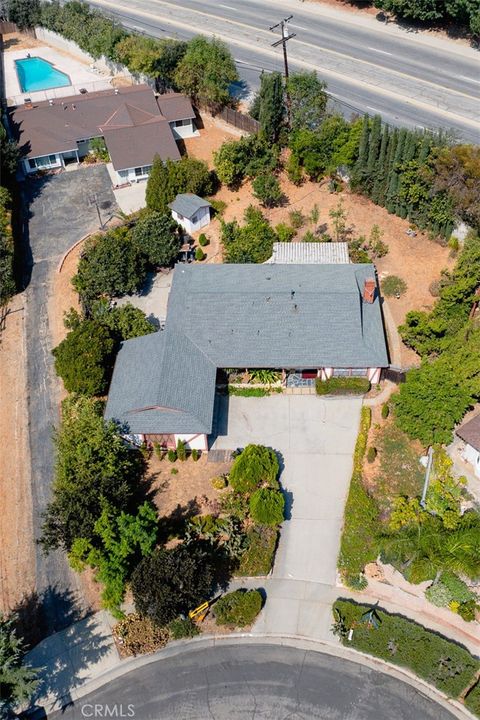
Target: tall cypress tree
{"x":373,"y":147}
{"x":391,"y":198}
{"x":271,"y":106}
{"x":157,"y":192}
{"x":360,"y":168}
{"x":378,"y":191}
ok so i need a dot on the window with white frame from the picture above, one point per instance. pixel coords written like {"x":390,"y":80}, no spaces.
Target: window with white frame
{"x":44,"y":161}
{"x":142,"y":171}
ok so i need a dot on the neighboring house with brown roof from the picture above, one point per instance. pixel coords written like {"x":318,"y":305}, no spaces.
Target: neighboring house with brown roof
{"x":134,"y":123}
{"x":469,"y":432}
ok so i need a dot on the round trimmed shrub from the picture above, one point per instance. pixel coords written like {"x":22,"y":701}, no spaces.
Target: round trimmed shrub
{"x":183,"y":628}
{"x":199,"y":254}
{"x":237,"y":609}
{"x":181,"y":451}
{"x":219,"y":482}
{"x":195,"y":454}
{"x":371,"y":454}
{"x":256,"y":465}
{"x":203,"y":240}
{"x":267,"y":506}
{"x":172,"y":455}
{"x":385,"y":410}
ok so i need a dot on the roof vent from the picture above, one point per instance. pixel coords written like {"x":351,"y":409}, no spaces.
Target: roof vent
{"x":369,"y":290}
{"x":50,"y":102}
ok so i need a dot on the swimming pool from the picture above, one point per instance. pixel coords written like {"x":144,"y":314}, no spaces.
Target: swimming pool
{"x":34,"y":73}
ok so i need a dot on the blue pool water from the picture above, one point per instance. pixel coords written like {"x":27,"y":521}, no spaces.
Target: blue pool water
{"x":37,"y":74}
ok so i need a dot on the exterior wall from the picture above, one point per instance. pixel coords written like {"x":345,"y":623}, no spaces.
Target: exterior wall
{"x":472,"y":456}
{"x":198,"y":442}
{"x":186,"y":130}
{"x":129,"y":175}
{"x":203,"y":219}
{"x":54,"y":161}
{"x":373,"y":374}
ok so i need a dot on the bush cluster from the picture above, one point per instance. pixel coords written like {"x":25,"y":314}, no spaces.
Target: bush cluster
{"x":443,"y":663}
{"x":450,"y":591}
{"x":238,"y":608}
{"x":260,"y":551}
{"x":342,"y":386}
{"x":254,"y":466}
{"x":359,"y":545}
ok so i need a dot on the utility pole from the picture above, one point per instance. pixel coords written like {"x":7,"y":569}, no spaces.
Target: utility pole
{"x":286,"y":36}
{"x":93,"y":200}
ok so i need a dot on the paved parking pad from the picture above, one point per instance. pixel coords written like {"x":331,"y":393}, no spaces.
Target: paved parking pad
{"x":316,"y":438}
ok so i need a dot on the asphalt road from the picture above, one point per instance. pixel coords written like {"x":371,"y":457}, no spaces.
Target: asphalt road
{"x":410,"y":80}
{"x":58,"y":214}
{"x":240,"y":682}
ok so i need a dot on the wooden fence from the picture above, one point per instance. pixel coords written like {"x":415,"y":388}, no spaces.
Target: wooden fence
{"x":244,"y":122}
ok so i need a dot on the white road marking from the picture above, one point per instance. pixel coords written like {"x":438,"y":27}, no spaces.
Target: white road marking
{"x":384,"y":52}
{"x":465,"y":77}
{"x":369,"y":107}
{"x":227,"y":7}
{"x":300,"y":27}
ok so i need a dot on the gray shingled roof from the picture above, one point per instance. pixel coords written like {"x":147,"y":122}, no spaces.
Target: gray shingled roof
{"x":300,"y":253}
{"x":187,"y":204}
{"x":470,"y":432}
{"x":279,"y":316}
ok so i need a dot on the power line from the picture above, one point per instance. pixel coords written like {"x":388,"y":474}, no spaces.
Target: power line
{"x":286,"y":36}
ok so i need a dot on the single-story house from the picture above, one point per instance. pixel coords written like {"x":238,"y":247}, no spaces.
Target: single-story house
{"x":134,"y":123}
{"x":469,"y":432}
{"x":190,"y":211}
{"x":301,"y":253}
{"x":325,"y":320}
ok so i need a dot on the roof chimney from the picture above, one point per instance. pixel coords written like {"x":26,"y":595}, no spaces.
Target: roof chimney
{"x":369,"y":290}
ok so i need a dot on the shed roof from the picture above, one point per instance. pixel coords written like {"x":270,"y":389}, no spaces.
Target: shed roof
{"x":298,"y":253}
{"x":187,"y":204}
{"x":278,"y":316}
{"x":175,"y":106}
{"x":470,"y":432}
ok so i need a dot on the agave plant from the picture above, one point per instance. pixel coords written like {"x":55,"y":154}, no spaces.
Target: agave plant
{"x":265,"y":376}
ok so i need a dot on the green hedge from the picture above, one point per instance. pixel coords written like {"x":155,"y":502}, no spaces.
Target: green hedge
{"x":260,"y":551}
{"x":361,"y":520}
{"x":445,"y":664}
{"x":472,"y":700}
{"x":238,"y":608}
{"x":342,"y":386}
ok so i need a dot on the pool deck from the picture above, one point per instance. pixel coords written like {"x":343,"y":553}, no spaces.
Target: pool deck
{"x":80,"y":74}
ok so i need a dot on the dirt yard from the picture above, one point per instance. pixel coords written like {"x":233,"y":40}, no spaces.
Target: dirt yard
{"x":189,"y":492}
{"x":17,"y":552}
{"x":20,"y":41}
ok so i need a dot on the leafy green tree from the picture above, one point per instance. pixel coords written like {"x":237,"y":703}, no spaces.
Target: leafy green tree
{"x":124,"y":322}
{"x":256,"y":465}
{"x":271,"y":106}
{"x":7,"y":281}
{"x":173,"y":582}
{"x":431,"y":401}
{"x":120,"y":541}
{"x":444,"y":493}
{"x":92,"y":461}
{"x":25,"y":13}
{"x":139,"y":53}
{"x":110,"y":266}
{"x":247,"y":157}
{"x":207,"y":70}
{"x":267,"y":506}
{"x":84,"y":359}
{"x":463,"y":12}
{"x":9,"y":156}
{"x":308,"y":100}
{"x":338,"y":216}
{"x":266,"y":188}
{"x":457,"y":172}
{"x":294,"y":169}
{"x":156,"y":236}
{"x":17,"y":680}
{"x":252,"y":243}
{"x":167,"y":180}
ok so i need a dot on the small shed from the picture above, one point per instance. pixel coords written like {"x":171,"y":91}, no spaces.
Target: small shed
{"x":469,"y":432}
{"x":190,"y":211}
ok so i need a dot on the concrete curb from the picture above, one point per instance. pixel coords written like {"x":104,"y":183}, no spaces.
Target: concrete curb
{"x":302,"y":643}
{"x":71,"y":249}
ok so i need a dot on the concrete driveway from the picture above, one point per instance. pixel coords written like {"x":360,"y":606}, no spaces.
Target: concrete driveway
{"x":316,"y":437}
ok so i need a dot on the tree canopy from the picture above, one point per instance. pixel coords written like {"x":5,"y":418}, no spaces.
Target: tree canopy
{"x":7,"y":282}
{"x":18,"y":680}
{"x":171,"y":582}
{"x":308,"y":100}
{"x":244,"y":158}
{"x":156,"y":237}
{"x":251,"y":243}
{"x":254,"y":466}
{"x":207,"y":70}
{"x":463,"y":12}
{"x":92,"y":461}
{"x":167,"y":180}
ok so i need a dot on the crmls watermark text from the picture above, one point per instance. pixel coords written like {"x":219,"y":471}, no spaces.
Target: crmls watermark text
{"x":108,"y":711}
